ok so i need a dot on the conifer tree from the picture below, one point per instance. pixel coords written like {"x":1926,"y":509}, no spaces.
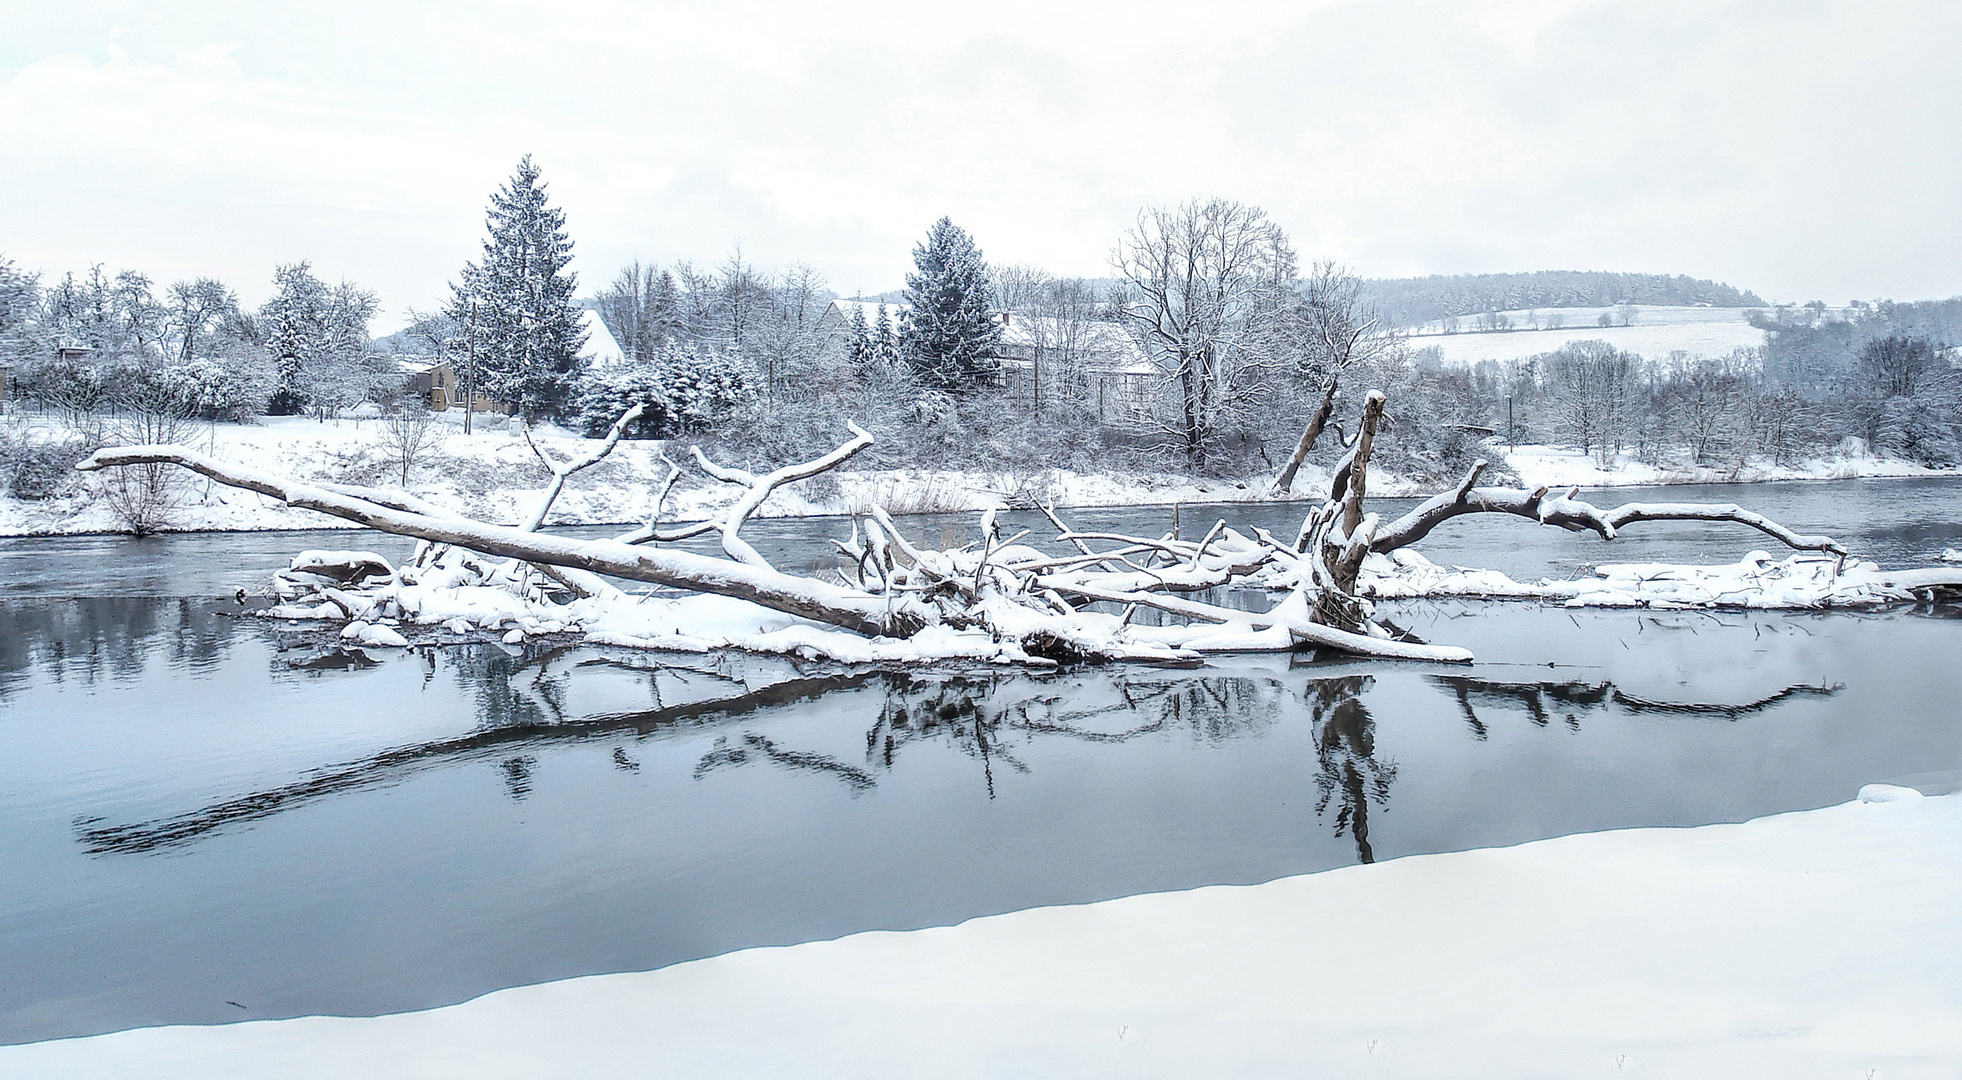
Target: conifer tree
{"x":858,"y":340}
{"x":517,"y":300}
{"x":948,"y":336}
{"x":885,"y":340}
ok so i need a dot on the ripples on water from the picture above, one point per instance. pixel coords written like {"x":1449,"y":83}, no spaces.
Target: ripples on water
{"x":197,"y":811}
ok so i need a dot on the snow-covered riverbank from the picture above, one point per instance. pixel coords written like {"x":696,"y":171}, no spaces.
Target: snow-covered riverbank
{"x":492,"y":475}
{"x":1814,"y":944}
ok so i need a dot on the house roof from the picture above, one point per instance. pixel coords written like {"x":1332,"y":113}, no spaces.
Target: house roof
{"x":601,"y":350}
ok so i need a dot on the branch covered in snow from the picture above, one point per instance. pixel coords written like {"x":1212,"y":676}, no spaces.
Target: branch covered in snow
{"x":563,"y":469}
{"x":1570,"y":513}
{"x":787,"y":593}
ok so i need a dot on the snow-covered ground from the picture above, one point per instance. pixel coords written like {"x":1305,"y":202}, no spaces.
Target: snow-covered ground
{"x":1557,"y":466}
{"x":1654,"y":332}
{"x":492,"y":475}
{"x":1821,"y":944}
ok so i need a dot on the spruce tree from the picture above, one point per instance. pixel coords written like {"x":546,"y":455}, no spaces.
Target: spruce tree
{"x":885,"y":341}
{"x":517,"y":299}
{"x":858,"y":340}
{"x":949,"y":337}
{"x":294,"y":323}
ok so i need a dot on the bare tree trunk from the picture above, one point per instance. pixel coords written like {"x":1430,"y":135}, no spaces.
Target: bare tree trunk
{"x":1285,"y":482}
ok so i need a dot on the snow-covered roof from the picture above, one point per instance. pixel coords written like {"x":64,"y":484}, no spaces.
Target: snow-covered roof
{"x":602,"y":350}
{"x":844,"y":308}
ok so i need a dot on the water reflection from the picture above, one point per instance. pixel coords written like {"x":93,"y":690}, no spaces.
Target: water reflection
{"x":515,"y":721}
{"x":1542,"y":701}
{"x":95,"y":640}
{"x":1345,"y":751}
{"x":990,"y":719}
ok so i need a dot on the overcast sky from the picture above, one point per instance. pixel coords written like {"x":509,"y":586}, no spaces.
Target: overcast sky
{"x":1801,"y":149}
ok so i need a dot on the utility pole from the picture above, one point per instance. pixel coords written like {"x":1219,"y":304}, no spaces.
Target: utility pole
{"x":470,"y":366}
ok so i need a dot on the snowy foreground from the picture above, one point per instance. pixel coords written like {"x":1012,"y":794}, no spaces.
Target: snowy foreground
{"x":493,"y":476}
{"x":1823,"y":943}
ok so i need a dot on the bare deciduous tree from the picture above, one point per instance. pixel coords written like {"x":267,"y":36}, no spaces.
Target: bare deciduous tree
{"x":1194,"y":277}
{"x":1334,"y":330}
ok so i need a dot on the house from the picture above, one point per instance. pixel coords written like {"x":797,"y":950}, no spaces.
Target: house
{"x":1115,"y":370}
{"x":434,"y":379}
{"x":435,"y":382}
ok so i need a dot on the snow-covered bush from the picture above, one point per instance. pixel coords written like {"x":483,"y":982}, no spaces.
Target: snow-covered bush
{"x":39,"y":468}
{"x":684,"y":390}
{"x":608,"y":394}
{"x":211,"y":390}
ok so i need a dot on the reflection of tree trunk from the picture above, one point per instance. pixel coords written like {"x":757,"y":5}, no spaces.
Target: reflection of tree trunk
{"x":1345,"y":749}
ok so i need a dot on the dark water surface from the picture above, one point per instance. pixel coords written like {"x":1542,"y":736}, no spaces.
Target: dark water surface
{"x":205,"y":819}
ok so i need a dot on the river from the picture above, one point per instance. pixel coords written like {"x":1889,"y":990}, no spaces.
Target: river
{"x":205,"y":818}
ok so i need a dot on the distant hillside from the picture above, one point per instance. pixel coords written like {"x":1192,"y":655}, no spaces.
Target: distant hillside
{"x":1411,"y":301}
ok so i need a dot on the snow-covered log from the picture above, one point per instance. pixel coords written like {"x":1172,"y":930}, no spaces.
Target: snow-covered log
{"x":1003,"y":601}
{"x":791,"y":594}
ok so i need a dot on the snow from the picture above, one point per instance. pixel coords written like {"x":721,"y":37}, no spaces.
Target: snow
{"x":1757,"y":581}
{"x":1655,"y":333}
{"x":1821,"y":943}
{"x":461,"y":596}
{"x":491,"y":475}
{"x":1562,"y":467}
{"x":601,"y":350}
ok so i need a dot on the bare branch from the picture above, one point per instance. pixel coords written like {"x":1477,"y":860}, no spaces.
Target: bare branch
{"x":560,"y":471}
{"x":838,"y":606}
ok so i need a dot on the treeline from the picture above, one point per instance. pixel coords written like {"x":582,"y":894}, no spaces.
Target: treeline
{"x":1900,"y":396}
{"x":1818,"y":351}
{"x":1414,"y":301}
{"x":95,"y":343}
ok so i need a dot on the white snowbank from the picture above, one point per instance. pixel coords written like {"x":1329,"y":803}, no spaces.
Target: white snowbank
{"x":1562,"y":467}
{"x":1814,"y":944}
{"x":1755,"y":581}
{"x":491,"y":475}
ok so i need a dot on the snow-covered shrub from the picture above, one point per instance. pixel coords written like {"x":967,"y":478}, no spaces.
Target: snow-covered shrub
{"x":71,"y":387}
{"x":608,"y":394}
{"x":933,"y":409}
{"x":212,"y":390}
{"x":684,"y":390}
{"x":39,"y":468}
{"x":705,"y":387}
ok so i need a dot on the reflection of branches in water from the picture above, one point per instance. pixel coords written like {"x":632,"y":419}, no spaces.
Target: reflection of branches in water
{"x":1729,"y":712}
{"x":94,"y":639}
{"x":988,"y":717}
{"x":1540,"y":700}
{"x":400,"y":763}
{"x":1533,"y":697}
{"x":1345,"y":750}
{"x":723,"y":755}
{"x":517,"y":774}
{"x":991,"y":717}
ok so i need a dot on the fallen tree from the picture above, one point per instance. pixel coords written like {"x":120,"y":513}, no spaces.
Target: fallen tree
{"x":1000,"y":600}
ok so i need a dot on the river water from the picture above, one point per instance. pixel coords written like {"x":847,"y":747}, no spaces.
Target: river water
{"x":205,"y":818}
